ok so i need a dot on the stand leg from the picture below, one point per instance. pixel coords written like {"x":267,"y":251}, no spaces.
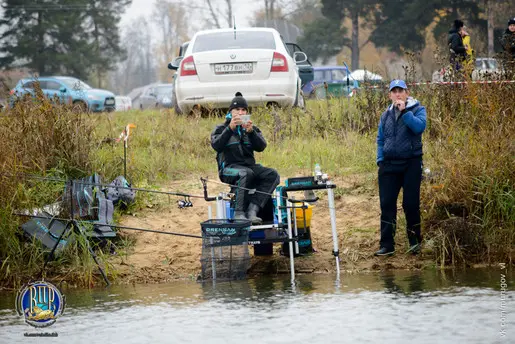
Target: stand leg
{"x":295,"y":229}
{"x":92,"y":254}
{"x":51,"y":256}
{"x":213,"y":265}
{"x":292,"y":264}
{"x":220,"y":214}
{"x":278,"y":204}
{"x":332,"y":213}
{"x":98,"y":264}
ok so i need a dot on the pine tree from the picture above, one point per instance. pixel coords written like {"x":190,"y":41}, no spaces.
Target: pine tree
{"x":401,"y":24}
{"x":67,"y":37}
{"x":331,"y":44}
{"x":103,"y":17}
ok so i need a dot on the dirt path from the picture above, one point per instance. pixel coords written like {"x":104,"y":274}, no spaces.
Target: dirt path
{"x":159,"y":258}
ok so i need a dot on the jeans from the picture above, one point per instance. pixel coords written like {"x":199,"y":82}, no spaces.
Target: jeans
{"x":394,"y":175}
{"x":261,"y":178}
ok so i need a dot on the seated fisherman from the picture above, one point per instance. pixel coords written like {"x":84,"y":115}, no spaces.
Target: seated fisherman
{"x":235,"y":142}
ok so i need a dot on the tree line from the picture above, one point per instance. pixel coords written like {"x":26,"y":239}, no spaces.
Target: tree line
{"x":400,"y":25}
{"x":71,"y":37}
{"x":82,"y":38}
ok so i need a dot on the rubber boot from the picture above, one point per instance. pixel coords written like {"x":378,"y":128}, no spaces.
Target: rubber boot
{"x":252,"y":212}
{"x":240,"y":215}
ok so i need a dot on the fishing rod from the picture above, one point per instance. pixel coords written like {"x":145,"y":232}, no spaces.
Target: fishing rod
{"x":110,"y":225}
{"x":170,"y":193}
{"x":73,"y":223}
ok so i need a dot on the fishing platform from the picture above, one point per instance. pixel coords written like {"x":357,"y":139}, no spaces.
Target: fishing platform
{"x":286,"y":221}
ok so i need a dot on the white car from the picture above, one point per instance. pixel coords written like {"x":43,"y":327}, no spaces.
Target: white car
{"x":123,"y":103}
{"x":253,"y":61}
{"x":486,"y":69}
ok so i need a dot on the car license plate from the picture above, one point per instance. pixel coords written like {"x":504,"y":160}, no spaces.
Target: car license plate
{"x":233,"y":68}
{"x":109,"y":102}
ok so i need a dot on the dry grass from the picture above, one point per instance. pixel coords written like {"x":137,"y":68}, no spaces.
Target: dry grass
{"x":469,"y":146}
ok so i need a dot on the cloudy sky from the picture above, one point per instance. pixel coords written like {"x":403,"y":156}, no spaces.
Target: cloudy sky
{"x":243,"y":10}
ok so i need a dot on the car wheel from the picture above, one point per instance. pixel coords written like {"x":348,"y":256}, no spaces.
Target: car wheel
{"x":299,"y":100}
{"x":175,"y":105}
{"x":80,"y":107}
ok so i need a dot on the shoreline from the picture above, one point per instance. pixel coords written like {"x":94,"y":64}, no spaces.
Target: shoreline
{"x":158,"y":258}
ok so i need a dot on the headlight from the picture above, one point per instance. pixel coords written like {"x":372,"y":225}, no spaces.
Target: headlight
{"x":166,"y":100}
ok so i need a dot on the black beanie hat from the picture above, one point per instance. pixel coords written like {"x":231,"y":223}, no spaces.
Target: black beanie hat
{"x":511,"y":21}
{"x":238,"y":101}
{"x":458,"y":23}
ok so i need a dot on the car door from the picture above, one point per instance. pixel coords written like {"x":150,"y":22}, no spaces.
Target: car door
{"x":306,"y":72}
{"x":145,"y":98}
{"x":151,"y":97}
{"x":53,"y":90}
{"x":28,"y":87}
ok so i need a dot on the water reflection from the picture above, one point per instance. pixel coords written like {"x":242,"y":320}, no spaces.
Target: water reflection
{"x":411,"y":284}
{"x":431,"y":306}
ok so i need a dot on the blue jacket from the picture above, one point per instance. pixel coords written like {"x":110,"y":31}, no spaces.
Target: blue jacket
{"x":402,"y":138}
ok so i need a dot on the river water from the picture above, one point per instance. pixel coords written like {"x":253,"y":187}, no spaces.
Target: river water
{"x":389,"y":307}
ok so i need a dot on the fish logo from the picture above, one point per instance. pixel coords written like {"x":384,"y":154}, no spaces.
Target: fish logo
{"x":40,"y":303}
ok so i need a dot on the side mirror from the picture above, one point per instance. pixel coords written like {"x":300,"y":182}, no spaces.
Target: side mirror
{"x":299,"y":57}
{"x":62,"y":89}
{"x":175,"y":64}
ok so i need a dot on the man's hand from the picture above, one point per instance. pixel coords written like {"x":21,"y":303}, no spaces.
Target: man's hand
{"x":400,"y":105}
{"x":248,"y":126}
{"x":235,"y":121}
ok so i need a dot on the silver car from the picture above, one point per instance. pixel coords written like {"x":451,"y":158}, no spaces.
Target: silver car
{"x":157,"y":96}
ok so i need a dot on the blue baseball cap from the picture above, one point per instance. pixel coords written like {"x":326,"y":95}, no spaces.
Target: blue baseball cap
{"x":398,"y":83}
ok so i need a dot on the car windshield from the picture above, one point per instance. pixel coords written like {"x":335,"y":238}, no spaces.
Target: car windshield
{"x":338,"y":74}
{"x":322,"y":75}
{"x":491,"y":64}
{"x":234,"y":40}
{"x":75,"y":84}
{"x":164,"y":90}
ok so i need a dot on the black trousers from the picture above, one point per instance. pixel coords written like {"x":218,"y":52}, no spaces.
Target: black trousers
{"x":394,"y":175}
{"x":257,"y":177}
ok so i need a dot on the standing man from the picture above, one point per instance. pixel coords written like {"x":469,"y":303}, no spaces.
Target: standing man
{"x":235,"y":142}
{"x":399,"y":157}
{"x":508,"y":39}
{"x":458,"y":52}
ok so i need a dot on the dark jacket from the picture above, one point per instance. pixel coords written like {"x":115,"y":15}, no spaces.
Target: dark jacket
{"x":399,"y":139}
{"x":236,"y":147}
{"x":508,"y":42}
{"x":456,"y":47}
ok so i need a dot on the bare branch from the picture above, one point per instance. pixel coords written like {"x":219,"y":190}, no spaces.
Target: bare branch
{"x":213,"y":14}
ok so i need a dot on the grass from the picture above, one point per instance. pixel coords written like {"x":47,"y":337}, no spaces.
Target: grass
{"x":469,"y":146}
